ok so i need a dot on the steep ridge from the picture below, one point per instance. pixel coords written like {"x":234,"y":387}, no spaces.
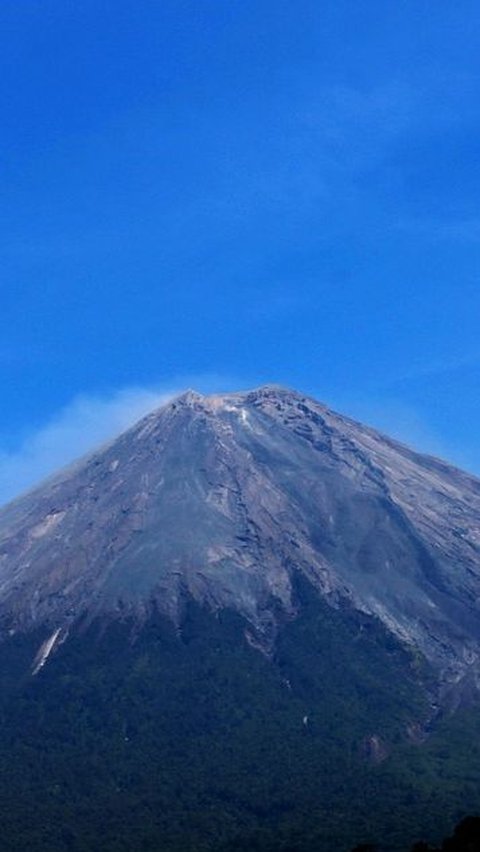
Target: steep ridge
{"x":227,"y":499}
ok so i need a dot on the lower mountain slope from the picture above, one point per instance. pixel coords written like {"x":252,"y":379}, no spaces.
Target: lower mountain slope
{"x":158,"y":739}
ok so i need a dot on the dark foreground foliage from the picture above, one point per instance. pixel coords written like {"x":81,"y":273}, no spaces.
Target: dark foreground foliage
{"x":465,"y":838}
{"x":192,"y":741}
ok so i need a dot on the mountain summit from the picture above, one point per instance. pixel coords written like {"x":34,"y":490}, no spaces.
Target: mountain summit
{"x":227,"y":500}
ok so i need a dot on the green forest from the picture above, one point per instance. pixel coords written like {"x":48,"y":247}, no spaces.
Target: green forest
{"x":152,"y":737}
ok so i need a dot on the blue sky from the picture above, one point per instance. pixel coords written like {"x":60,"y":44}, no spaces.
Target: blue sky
{"x":220,"y":194}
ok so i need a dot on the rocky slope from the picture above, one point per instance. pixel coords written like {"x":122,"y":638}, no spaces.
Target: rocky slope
{"x":226,"y":500}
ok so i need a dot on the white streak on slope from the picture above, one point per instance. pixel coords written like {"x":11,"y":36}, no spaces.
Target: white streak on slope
{"x":45,"y":650}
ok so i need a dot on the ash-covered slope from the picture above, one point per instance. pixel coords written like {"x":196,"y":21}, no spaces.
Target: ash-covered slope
{"x":226,"y":499}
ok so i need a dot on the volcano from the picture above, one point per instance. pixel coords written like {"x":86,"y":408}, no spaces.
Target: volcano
{"x":237,"y":626}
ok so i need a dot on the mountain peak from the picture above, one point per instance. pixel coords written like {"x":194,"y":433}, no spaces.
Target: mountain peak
{"x":270,"y":396}
{"x":216,"y":400}
{"x":188,"y":397}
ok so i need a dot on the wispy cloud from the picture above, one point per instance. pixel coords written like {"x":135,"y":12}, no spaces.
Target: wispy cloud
{"x":85,"y":423}
{"x":90,"y":420}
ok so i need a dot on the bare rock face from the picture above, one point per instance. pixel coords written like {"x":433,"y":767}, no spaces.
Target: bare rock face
{"x":226,"y":499}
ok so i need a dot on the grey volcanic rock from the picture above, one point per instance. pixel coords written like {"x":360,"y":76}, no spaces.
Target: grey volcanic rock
{"x":226,"y":499}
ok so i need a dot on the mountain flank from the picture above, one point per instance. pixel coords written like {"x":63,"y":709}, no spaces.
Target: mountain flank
{"x":227,"y":499}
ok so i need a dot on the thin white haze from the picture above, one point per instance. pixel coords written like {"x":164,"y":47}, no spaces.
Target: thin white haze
{"x":78,"y":428}
{"x":402,"y":421}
